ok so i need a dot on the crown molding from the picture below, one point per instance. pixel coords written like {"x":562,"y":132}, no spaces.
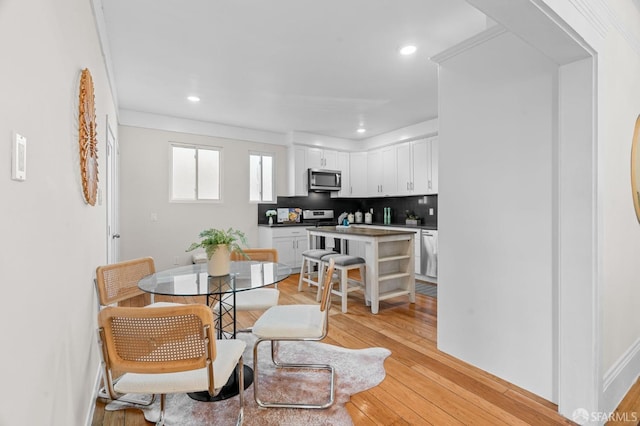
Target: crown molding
{"x":620,"y":26}
{"x":469,"y":43}
{"x":593,"y":12}
{"x":98,"y":16}
{"x":183,"y":125}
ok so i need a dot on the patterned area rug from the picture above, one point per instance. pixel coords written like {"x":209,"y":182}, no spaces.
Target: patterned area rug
{"x":356,"y":371}
{"x":428,"y":289}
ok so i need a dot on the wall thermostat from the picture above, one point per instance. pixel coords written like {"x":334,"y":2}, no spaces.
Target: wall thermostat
{"x":19,"y":157}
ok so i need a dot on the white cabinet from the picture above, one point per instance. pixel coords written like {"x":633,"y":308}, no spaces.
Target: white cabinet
{"x":344,"y":167}
{"x":382,"y":172}
{"x":302,"y":158}
{"x":417,"y":164}
{"x":290,"y":241}
{"x":358,"y":174}
{"x":433,"y":161}
{"x":405,"y":168}
{"x":318,"y":158}
{"x":297,"y":178}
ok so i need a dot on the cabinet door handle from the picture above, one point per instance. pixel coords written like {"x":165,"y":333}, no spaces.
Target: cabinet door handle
{"x":407,"y":185}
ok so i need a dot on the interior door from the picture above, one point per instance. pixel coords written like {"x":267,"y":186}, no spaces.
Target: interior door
{"x":112,"y":195}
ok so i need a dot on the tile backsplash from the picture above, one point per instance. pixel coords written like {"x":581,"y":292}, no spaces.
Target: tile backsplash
{"x":418,"y":205}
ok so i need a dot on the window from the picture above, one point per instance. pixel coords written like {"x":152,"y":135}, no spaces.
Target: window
{"x":261,"y":177}
{"x":195,"y":173}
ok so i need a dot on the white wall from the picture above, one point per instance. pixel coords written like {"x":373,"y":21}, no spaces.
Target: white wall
{"x":495,"y":306}
{"x":619,"y":107}
{"x":145,"y":177}
{"x":51,"y":240}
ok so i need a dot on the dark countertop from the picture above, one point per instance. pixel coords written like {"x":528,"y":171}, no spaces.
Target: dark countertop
{"x":394,"y":225}
{"x":362,"y":231}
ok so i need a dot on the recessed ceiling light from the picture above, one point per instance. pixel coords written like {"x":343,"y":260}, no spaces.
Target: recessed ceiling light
{"x":361,"y":130}
{"x":408,"y":50}
{"x":193,"y":98}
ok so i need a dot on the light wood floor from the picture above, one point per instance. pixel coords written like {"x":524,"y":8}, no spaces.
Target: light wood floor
{"x":423,"y":385}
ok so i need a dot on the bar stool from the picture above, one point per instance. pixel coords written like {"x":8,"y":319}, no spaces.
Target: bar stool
{"x":310,"y":259}
{"x":344,"y":264}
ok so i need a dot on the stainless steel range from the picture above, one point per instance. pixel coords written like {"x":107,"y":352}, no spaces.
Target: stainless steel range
{"x":324,"y":218}
{"x":318,"y":217}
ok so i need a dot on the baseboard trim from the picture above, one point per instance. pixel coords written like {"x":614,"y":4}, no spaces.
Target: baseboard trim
{"x":620,"y":378}
{"x":94,"y":397}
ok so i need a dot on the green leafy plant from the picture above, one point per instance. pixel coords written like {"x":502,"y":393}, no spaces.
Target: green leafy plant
{"x":212,"y":238}
{"x":411,"y":215}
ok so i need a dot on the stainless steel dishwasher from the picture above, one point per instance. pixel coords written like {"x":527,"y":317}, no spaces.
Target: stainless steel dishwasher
{"x":429,"y":253}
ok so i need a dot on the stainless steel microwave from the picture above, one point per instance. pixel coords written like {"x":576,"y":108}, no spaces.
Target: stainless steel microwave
{"x":324,"y":180}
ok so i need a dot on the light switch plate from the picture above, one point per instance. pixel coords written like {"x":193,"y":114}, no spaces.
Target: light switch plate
{"x":18,"y":157}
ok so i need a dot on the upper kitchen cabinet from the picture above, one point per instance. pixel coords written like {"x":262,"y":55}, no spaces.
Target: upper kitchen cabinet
{"x":297,"y":171}
{"x":433,"y":161}
{"x":318,"y":158}
{"x":344,"y":166}
{"x":417,"y":164}
{"x":357,"y":174}
{"x":302,"y":158}
{"x":382,"y":172}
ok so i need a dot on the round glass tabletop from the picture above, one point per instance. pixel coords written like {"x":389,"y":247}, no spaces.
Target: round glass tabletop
{"x":193,"y":280}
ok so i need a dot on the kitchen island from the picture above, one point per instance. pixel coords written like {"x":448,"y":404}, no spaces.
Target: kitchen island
{"x":389,"y":256}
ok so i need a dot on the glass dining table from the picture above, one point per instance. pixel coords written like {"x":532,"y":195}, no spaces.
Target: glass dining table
{"x":193,"y":280}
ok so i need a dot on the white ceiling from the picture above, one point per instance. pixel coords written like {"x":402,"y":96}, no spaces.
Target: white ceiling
{"x":317,"y":66}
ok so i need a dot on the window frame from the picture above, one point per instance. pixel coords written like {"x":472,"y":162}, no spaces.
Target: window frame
{"x":196,"y":147}
{"x":262,"y":154}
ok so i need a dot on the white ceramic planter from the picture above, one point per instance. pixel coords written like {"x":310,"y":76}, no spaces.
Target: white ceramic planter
{"x":220,"y":262}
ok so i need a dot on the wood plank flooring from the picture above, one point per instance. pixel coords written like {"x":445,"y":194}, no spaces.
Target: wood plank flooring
{"x":423,"y":386}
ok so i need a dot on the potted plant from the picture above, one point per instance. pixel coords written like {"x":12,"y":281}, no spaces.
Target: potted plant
{"x":412,"y":218}
{"x":270,"y":214}
{"x":218,"y":245}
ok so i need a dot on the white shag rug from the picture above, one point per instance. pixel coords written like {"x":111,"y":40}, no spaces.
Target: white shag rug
{"x":356,"y":370}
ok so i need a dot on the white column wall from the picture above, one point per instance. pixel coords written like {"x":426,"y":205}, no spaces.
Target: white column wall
{"x":52,"y":240}
{"x":495,"y":297}
{"x":145,"y":177}
{"x":619,"y":107}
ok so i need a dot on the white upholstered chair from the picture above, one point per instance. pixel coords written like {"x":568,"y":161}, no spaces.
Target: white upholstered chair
{"x":117,"y":283}
{"x":257,"y":299}
{"x":295,"y":323}
{"x":163,"y":350}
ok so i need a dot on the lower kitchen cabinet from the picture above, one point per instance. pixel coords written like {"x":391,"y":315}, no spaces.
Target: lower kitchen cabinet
{"x":290,"y":241}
